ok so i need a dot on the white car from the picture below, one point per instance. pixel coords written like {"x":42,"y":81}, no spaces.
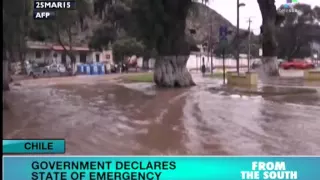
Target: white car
{"x":60,"y":68}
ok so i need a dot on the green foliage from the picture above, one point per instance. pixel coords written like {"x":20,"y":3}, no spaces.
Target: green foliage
{"x":115,"y":24}
{"x":158,"y":24}
{"x":127,"y":47}
{"x":103,"y":35}
{"x":161,"y":25}
{"x":17,"y":17}
{"x":99,"y":7}
{"x":67,"y":22}
{"x":295,"y":34}
{"x":146,"y":77}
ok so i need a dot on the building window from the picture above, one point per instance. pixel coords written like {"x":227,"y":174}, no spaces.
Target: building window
{"x":38,"y":54}
{"x":97,"y":57}
{"x":83,"y":58}
{"x":55,"y":55}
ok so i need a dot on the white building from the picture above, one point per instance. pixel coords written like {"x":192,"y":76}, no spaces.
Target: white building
{"x":48,"y":53}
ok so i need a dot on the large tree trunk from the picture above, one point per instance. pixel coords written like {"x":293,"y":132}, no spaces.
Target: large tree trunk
{"x":270,"y":19}
{"x":6,"y":76}
{"x":73,"y":63}
{"x":171,"y":71}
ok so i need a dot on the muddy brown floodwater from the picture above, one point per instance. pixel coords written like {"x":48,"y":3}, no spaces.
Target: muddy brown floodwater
{"x":102,"y":118}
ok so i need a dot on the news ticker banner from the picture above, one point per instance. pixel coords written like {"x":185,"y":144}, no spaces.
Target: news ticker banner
{"x":33,"y":146}
{"x":47,"y":9}
{"x":159,"y":168}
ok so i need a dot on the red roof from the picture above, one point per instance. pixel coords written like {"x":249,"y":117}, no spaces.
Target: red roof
{"x":55,"y":47}
{"x":60,"y":48}
{"x":39,"y":47}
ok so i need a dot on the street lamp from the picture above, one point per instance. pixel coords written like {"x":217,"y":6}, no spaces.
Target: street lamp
{"x":237,"y":35}
{"x":241,"y":4}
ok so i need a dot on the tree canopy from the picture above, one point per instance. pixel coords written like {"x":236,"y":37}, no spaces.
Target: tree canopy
{"x":127,"y":47}
{"x":297,"y":31}
{"x":16,"y":20}
{"x":159,"y":25}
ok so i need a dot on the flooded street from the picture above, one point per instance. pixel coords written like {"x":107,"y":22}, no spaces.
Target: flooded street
{"x":100,"y":118}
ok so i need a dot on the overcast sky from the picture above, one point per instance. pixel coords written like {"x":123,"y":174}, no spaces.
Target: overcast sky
{"x":228,"y":9}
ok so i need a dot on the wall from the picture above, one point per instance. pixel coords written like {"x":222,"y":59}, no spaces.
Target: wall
{"x":106,"y":56}
{"x":93,"y":57}
{"x":196,"y":62}
{"x":46,"y":56}
{"x":58,"y":59}
{"x":151,"y":62}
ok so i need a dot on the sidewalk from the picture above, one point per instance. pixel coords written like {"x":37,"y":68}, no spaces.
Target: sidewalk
{"x":308,"y":85}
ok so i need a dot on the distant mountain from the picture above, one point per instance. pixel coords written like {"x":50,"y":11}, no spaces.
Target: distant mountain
{"x":201,"y":17}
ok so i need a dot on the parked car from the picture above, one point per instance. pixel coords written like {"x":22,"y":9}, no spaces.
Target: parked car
{"x":33,"y":70}
{"x":55,"y":68}
{"x":297,"y":64}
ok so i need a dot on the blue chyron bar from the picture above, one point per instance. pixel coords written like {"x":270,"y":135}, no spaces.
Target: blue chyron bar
{"x":33,"y":146}
{"x":160,"y":167}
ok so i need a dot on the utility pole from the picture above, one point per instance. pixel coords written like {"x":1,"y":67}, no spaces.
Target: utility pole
{"x":249,"y":43}
{"x":237,"y":39}
{"x":210,"y":44}
{"x":237,"y":36}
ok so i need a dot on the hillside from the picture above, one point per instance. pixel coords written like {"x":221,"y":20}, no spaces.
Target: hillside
{"x":201,"y":17}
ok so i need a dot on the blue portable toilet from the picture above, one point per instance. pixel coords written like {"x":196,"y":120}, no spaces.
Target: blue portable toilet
{"x":80,"y":69}
{"x":98,"y":68}
{"x":87,"y":69}
{"x":84,"y":68}
{"x":101,"y":69}
{"x":94,"y":69}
